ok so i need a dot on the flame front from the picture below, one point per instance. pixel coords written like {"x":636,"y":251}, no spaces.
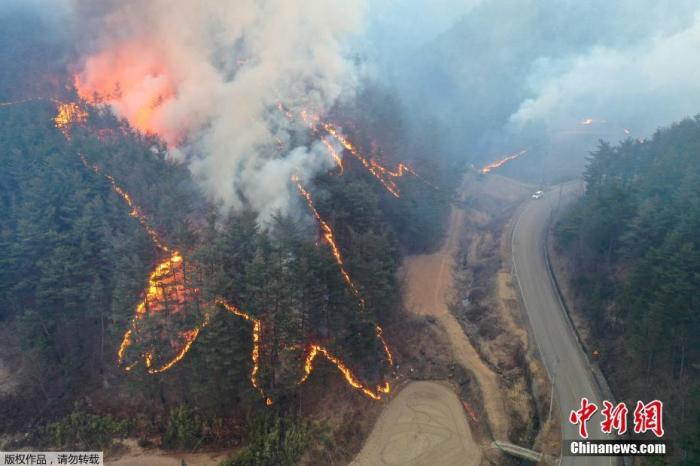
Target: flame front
{"x":350,"y":377}
{"x":330,"y":239}
{"x":503,"y":161}
{"x":255,"y":347}
{"x":135,"y":210}
{"x":167,"y":291}
{"x":69,"y":114}
{"x":315,"y":349}
{"x":377,"y":170}
{"x":387,"y":351}
{"x":336,"y":156}
{"x":381,"y":173}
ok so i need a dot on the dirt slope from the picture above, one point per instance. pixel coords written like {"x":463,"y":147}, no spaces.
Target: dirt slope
{"x":429,"y":287}
{"x":424,"y":425}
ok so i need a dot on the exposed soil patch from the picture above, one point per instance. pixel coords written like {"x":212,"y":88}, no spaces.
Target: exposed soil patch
{"x":486,"y":306}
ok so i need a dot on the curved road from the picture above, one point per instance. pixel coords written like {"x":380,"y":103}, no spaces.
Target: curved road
{"x":555,"y":339}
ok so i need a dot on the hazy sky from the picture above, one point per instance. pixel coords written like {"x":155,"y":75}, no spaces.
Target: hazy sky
{"x":511,"y":74}
{"x":495,"y":76}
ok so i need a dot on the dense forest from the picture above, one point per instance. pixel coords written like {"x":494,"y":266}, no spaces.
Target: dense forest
{"x":77,"y":262}
{"x":634,"y":243}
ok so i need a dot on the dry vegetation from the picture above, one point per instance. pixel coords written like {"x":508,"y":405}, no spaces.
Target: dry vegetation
{"x":486,"y":305}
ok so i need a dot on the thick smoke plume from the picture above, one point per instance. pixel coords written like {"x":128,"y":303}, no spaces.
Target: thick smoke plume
{"x":208,"y":78}
{"x":509,"y":75}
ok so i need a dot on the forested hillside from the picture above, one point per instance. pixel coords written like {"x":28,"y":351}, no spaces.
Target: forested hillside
{"x":75,"y":261}
{"x":101,"y":229}
{"x":634,"y":244}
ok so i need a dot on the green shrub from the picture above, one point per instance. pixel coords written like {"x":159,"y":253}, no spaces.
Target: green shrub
{"x":184,"y":428}
{"x":81,"y":430}
{"x":275,"y":440}
{"x":143,"y":442}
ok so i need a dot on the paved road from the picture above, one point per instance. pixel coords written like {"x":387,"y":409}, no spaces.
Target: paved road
{"x":553,"y":334}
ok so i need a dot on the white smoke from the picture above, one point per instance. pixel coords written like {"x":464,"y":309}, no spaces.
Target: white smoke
{"x":227,"y":65}
{"x":640,"y":87}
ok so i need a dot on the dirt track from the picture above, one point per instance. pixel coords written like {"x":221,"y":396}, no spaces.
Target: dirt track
{"x":429,"y":287}
{"x":424,"y":425}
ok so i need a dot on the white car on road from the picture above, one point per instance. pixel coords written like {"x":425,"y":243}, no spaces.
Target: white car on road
{"x":538,"y":194}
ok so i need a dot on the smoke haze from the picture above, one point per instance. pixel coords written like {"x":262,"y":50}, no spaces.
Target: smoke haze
{"x":474,"y":79}
{"x":508,"y":75}
{"x":207,"y":77}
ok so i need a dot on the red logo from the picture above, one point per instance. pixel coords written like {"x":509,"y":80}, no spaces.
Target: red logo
{"x":615,"y":418}
{"x":582,"y":416}
{"x":647,"y":417}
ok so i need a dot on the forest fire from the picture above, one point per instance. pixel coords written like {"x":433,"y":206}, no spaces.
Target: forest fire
{"x":315,"y":350}
{"x":330,"y":240}
{"x":381,"y":173}
{"x":167,"y":293}
{"x":350,"y":377}
{"x":387,"y":351}
{"x":135,"y":211}
{"x":331,"y":150}
{"x":133,"y":79}
{"x":255,"y":348}
{"x":68,"y":115}
{"x":501,"y":162}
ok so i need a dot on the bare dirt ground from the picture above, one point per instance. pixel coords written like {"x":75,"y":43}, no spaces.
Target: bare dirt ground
{"x":424,"y":424}
{"x":429,"y":288}
{"x":137,"y":456}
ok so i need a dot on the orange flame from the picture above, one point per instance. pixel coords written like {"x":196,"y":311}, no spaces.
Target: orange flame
{"x":331,"y":150}
{"x":167,"y":290}
{"x":503,"y":161}
{"x":381,"y":173}
{"x":255,"y":349}
{"x":330,"y":239}
{"x":590,"y":121}
{"x":372,"y":166}
{"x":68,"y":115}
{"x":315,"y":349}
{"x":135,"y":80}
{"x":387,"y":352}
{"x":350,"y":377}
{"x":135,"y":211}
